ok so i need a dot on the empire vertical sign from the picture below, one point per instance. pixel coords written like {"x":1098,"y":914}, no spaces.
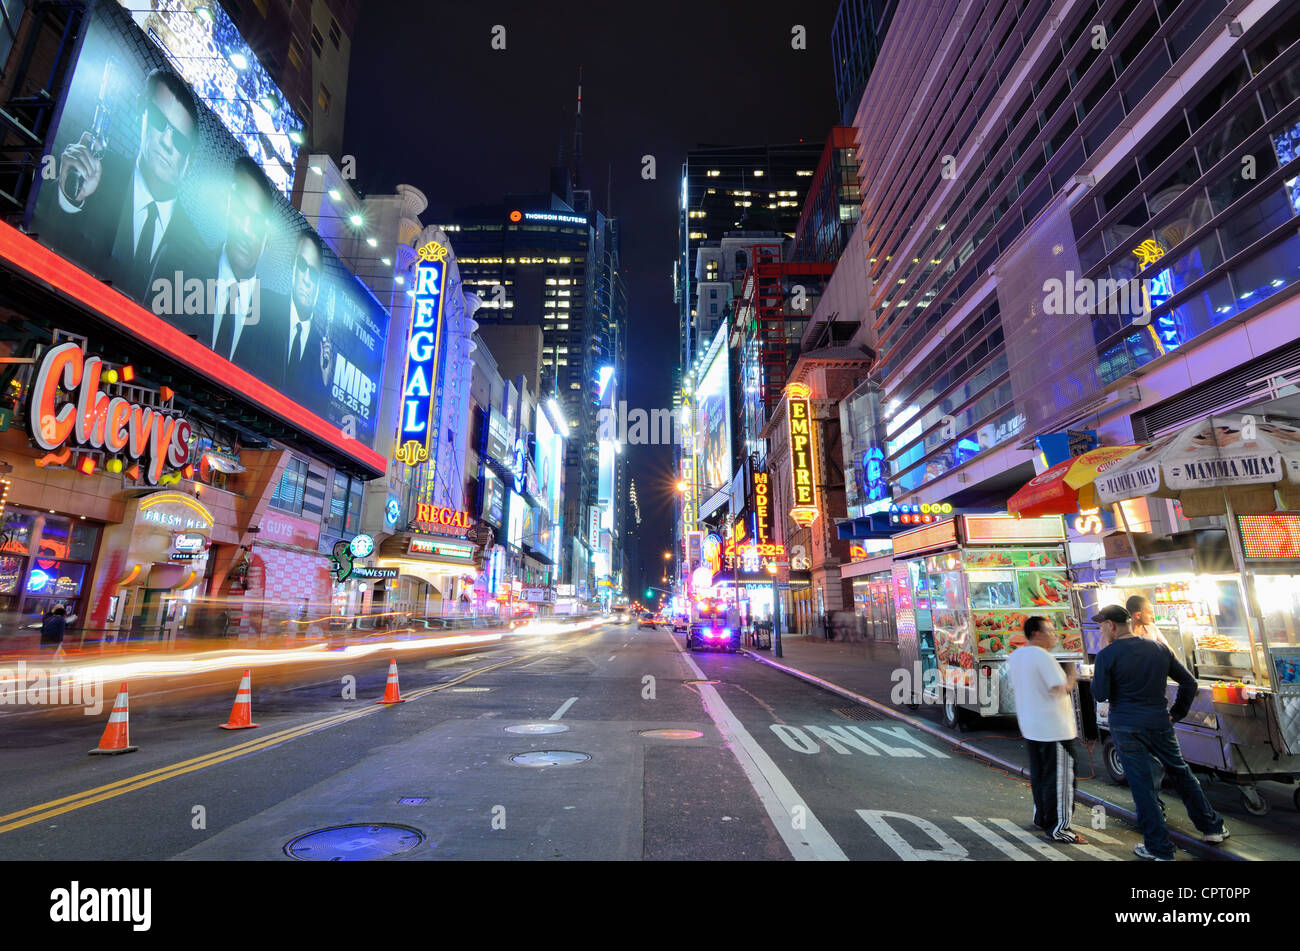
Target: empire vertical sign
{"x":420,"y":383}
{"x":799,"y":414}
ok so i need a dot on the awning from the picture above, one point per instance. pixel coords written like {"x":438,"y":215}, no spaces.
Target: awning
{"x":129,"y":577}
{"x":187,"y":582}
{"x":875,"y":525}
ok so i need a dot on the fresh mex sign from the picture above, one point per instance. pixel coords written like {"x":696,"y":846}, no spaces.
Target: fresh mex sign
{"x":420,"y":389}
{"x":68,"y":410}
{"x":799,"y":417}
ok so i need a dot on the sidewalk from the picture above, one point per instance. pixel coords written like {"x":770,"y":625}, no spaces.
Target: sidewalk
{"x":862,"y":672}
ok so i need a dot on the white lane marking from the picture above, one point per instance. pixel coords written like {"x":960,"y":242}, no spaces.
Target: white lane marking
{"x":991,"y":837}
{"x":1097,"y":853}
{"x":1032,"y":841}
{"x":775,"y":792}
{"x":564,"y":708}
{"x":950,"y":850}
{"x":1103,"y":837}
{"x":611,"y":656}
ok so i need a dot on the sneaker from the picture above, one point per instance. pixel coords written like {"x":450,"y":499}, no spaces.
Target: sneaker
{"x":1216,"y":836}
{"x":1069,"y":838}
{"x":1141,"y":852}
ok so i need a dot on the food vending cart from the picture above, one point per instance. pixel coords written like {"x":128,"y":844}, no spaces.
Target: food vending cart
{"x":963,"y":588}
{"x":1244,"y":724}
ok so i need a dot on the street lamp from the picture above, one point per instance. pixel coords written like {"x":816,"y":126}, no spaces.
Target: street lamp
{"x":681,"y":486}
{"x":668,"y":555}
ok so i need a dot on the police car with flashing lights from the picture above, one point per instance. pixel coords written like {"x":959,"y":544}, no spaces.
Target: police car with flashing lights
{"x":714,"y":625}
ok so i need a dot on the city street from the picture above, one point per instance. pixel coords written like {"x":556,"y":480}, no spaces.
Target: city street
{"x":754,"y":764}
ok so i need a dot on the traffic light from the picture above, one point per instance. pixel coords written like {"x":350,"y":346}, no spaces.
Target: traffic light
{"x":649,"y":592}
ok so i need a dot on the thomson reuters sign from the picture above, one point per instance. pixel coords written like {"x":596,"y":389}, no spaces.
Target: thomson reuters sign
{"x":802,"y":466}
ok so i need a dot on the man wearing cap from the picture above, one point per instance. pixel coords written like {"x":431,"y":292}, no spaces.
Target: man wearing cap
{"x":1132,"y":673}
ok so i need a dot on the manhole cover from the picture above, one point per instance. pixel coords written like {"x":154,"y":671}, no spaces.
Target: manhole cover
{"x":470,"y":689}
{"x":858,"y":713}
{"x":693,"y":683}
{"x":354,"y":843}
{"x":533,"y":729}
{"x":549,"y":758}
{"x":673,"y":734}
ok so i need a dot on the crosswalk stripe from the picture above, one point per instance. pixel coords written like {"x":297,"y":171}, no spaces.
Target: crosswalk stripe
{"x":1032,"y":841}
{"x":999,"y":843}
{"x":1103,"y":837}
{"x":1097,"y":853}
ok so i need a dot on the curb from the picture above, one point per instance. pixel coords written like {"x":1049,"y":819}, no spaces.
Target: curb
{"x":1194,"y":846}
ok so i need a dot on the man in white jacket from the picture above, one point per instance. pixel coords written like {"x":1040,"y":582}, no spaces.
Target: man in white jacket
{"x":1046,"y":716}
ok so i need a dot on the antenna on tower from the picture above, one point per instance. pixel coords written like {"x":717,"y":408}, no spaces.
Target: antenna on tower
{"x":577,"y":136}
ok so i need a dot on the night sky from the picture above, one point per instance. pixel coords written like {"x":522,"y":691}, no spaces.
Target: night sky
{"x":430,"y":103}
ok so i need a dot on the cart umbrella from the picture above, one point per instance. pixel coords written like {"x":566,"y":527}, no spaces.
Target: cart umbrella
{"x":1067,"y":486}
{"x":1229,"y":461}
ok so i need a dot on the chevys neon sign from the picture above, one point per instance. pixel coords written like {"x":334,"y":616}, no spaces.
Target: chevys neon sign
{"x":89,"y":418}
{"x":441,"y":515}
{"x":420,"y":381}
{"x":799,"y":413}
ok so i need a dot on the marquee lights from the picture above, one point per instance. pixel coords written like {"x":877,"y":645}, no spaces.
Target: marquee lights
{"x":802,"y":454}
{"x":423,"y":343}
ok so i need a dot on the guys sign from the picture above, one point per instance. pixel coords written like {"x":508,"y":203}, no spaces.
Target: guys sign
{"x":421,"y":387}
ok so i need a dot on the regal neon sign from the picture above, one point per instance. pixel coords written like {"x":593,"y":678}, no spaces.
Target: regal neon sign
{"x":799,"y":417}
{"x":423,"y":346}
{"x":87,"y":417}
{"x":427,"y":514}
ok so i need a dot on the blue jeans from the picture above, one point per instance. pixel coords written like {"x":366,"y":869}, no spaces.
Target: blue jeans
{"x":1137,"y":746}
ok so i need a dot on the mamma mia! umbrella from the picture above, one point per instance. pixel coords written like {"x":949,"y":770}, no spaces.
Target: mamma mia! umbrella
{"x":1233,"y":458}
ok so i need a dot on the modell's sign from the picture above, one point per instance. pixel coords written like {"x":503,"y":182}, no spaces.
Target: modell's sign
{"x":440,"y":515}
{"x":67,"y":409}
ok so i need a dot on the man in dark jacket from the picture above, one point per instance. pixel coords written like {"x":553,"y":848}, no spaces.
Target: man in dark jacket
{"x":1132,"y":673}
{"x":52,"y":628}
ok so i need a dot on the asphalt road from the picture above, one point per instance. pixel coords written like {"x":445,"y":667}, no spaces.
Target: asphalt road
{"x":757,"y":765}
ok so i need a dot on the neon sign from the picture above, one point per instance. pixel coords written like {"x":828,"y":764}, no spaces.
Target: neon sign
{"x":441,"y":515}
{"x":922,"y":514}
{"x":762,"y":508}
{"x":799,"y":411}
{"x":91,"y":418}
{"x":420,"y":385}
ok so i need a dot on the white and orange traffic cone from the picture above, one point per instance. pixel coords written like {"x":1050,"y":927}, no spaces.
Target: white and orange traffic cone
{"x":117,"y":735}
{"x":392,"y":693}
{"x":241,"y":714}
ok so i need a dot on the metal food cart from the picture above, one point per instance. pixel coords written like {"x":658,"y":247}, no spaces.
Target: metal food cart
{"x":963,"y":588}
{"x":1238,"y":734}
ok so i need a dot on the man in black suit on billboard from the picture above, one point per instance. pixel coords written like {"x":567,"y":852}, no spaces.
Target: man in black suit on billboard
{"x":309,"y":354}
{"x":246,"y":318}
{"x":122,"y":218}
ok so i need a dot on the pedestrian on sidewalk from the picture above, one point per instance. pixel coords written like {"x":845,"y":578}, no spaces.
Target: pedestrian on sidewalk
{"x":1046,"y":717}
{"x":53,"y":626}
{"x":1133,"y":673}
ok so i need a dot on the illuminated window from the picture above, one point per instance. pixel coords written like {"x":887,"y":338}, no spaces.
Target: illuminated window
{"x":323,"y":99}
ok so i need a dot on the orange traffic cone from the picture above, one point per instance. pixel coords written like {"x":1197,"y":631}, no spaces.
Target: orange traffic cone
{"x":241,"y":714}
{"x":392,"y":693}
{"x":117,"y":735}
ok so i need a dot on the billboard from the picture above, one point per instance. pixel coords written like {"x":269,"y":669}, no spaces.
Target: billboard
{"x":549,"y":460}
{"x":145,"y":188}
{"x":205,"y":49}
{"x":713,"y":420}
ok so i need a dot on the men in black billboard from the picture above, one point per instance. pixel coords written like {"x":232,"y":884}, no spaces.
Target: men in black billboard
{"x":121,"y":216}
{"x":309,"y":353}
{"x":246,"y":317}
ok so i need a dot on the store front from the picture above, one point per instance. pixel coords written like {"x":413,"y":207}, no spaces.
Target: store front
{"x":436,"y":573}
{"x":46,"y":560}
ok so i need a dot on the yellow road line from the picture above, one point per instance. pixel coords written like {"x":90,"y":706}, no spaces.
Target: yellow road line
{"x":56,"y":807}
